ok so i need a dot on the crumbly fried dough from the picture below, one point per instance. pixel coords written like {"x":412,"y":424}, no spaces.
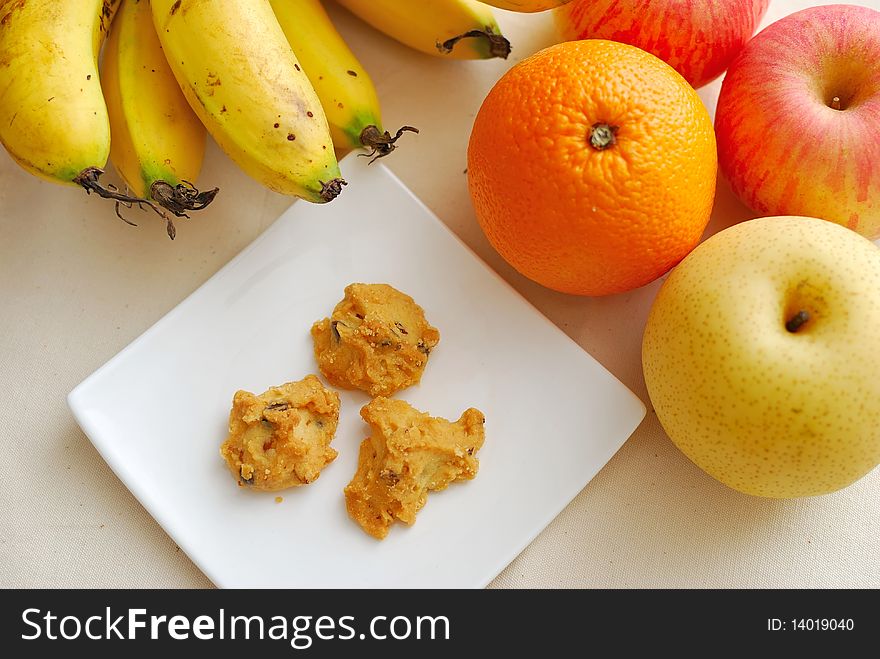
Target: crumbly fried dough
{"x":407,"y":454}
{"x":281,"y":438}
{"x":377,"y":340}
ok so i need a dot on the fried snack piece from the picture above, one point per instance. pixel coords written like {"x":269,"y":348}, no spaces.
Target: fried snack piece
{"x":376,"y":340}
{"x":281,"y":438}
{"x":407,"y":454}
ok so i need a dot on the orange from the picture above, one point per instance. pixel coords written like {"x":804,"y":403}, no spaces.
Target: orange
{"x":592,"y":167}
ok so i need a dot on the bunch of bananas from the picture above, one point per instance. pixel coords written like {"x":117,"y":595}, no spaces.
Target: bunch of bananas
{"x":271,"y":80}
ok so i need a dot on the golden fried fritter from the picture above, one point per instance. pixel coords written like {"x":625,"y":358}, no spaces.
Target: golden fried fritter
{"x":407,"y":454}
{"x":281,"y":438}
{"x":377,"y":340}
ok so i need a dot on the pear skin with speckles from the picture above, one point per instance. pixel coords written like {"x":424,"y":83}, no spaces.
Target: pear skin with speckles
{"x":761,"y":356}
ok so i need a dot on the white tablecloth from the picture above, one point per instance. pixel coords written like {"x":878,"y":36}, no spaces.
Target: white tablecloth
{"x":77,"y":285}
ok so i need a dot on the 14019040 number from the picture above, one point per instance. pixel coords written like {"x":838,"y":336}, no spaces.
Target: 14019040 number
{"x":810,"y":624}
{"x":822,"y":624}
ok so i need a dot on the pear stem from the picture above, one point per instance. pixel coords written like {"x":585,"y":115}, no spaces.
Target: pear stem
{"x":797,"y":321}
{"x":835,"y":103}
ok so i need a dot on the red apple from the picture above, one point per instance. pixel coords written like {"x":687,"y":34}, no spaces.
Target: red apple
{"x":798,"y":119}
{"x":698,"y":38}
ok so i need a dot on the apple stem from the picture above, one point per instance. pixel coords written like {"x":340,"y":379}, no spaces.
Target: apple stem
{"x":835,"y":103}
{"x":797,"y":321}
{"x":602,"y":136}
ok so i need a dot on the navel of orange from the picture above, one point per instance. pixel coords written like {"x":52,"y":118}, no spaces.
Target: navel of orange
{"x":592,"y":167}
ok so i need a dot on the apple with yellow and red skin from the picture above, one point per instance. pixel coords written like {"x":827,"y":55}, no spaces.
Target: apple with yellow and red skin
{"x":697,"y":38}
{"x":798,"y":118}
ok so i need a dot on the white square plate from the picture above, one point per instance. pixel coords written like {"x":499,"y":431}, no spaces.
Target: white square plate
{"x":157,"y":412}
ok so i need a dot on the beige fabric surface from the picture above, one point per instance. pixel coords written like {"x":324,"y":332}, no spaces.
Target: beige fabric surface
{"x":77,"y":285}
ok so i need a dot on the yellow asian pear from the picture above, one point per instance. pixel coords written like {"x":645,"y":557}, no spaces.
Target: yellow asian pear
{"x":762,"y":356}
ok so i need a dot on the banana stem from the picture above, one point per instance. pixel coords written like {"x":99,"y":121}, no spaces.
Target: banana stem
{"x":331,"y":189}
{"x":498,"y":45}
{"x":181,"y":197}
{"x":379,"y":143}
{"x":88,"y":180}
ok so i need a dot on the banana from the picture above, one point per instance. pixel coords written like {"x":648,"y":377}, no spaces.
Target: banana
{"x":243,"y":81}
{"x":343,"y":86}
{"x":528,"y":6}
{"x":461,"y":29}
{"x":157,"y":142}
{"x":53,"y":120}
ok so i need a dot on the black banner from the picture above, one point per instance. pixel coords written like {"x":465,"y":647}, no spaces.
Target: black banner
{"x":433,"y":623}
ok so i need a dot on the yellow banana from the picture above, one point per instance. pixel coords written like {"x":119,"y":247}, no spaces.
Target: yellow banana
{"x":461,"y":29}
{"x":346,"y":92}
{"x":526,"y":5}
{"x":241,"y":78}
{"x":53,"y":120}
{"x":158,"y":143}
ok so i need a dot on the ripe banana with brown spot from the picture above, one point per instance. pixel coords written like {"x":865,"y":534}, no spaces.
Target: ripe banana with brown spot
{"x":459,"y":29}
{"x":158,"y":143}
{"x":53,"y":119}
{"x":345,"y":89}
{"x":243,"y":81}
